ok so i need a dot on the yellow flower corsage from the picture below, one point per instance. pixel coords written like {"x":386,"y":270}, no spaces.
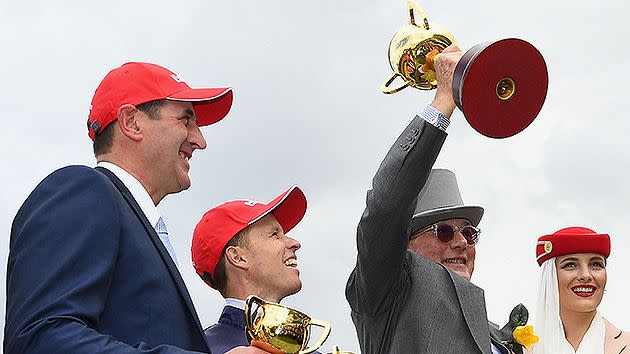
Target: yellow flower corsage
{"x":524,"y":335}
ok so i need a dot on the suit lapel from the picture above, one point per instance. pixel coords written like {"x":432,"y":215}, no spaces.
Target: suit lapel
{"x":168,"y":261}
{"x":612,"y":344}
{"x":495,"y":338}
{"x":473,"y":305}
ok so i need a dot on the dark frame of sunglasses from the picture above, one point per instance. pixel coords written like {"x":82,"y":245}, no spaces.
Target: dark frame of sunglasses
{"x":439,"y":229}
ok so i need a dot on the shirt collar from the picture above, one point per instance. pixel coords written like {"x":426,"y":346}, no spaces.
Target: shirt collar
{"x":138,"y":191}
{"x":239,"y":304}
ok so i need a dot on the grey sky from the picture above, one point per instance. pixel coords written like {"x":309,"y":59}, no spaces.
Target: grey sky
{"x":307,"y":111}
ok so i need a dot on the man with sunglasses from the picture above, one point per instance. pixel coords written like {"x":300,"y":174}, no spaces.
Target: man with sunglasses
{"x":410,"y":291}
{"x":442,"y":228}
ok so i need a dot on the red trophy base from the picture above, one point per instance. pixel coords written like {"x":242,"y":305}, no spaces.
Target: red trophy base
{"x":500,"y":86}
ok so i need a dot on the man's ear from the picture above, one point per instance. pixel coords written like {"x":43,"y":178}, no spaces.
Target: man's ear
{"x":236,"y":256}
{"x":129,"y":123}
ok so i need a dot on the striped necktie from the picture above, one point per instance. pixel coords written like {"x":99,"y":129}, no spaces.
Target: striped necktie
{"x":160,"y":229}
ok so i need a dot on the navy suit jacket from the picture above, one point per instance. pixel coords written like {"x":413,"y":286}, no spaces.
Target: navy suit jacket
{"x":229,"y":332}
{"x":88,"y":274}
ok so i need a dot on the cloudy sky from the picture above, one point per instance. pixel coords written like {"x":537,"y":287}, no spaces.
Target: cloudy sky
{"x":307,"y":111}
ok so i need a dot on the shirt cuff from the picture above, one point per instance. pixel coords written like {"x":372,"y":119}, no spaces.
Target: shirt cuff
{"x":434,"y":117}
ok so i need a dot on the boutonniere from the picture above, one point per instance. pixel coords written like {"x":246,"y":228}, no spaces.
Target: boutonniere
{"x":521,"y":334}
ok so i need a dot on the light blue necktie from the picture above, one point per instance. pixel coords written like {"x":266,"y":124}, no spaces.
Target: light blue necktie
{"x":162,"y":232}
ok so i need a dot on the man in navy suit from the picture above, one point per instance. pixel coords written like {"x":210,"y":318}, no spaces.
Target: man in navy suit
{"x":91,"y":268}
{"x":241,"y":248}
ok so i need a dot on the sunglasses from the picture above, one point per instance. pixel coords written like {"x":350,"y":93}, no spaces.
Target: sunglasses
{"x":446,"y":233}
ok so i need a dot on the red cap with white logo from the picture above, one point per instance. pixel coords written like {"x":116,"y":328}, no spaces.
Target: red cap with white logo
{"x":221,"y":223}
{"x":137,"y":83}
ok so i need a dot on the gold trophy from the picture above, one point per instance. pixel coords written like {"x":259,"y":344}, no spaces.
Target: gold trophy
{"x":280,"y":329}
{"x":412,"y":49}
{"x":499,"y":86}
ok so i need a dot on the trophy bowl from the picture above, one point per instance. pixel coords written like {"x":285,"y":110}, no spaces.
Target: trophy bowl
{"x":280,"y":329}
{"x":500,"y":86}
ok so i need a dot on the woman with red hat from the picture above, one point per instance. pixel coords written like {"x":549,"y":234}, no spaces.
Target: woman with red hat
{"x":572,"y":283}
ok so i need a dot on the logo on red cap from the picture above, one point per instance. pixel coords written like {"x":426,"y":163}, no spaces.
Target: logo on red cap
{"x":177,"y":78}
{"x":251,"y":203}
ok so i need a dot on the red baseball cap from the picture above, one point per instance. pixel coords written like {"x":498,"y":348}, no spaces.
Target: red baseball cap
{"x":137,"y":83}
{"x":572,"y":240}
{"x":219,"y":224}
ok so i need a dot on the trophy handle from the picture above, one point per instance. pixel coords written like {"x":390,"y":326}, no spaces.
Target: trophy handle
{"x":326,"y":326}
{"x":413,"y":7}
{"x":389,"y":90}
{"x":248,"y":309}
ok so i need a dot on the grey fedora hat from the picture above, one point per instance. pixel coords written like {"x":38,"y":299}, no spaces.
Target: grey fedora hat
{"x":440,"y":200}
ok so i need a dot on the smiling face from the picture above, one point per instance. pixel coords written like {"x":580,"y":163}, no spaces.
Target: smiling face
{"x":169,"y":142}
{"x":457,"y":255}
{"x":581,"y":281}
{"x":272,"y":262}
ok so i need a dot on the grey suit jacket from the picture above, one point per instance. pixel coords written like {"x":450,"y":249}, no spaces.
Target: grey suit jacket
{"x":402,"y":302}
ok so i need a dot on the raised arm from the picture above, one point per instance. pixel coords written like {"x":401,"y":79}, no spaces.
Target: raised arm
{"x":383,"y":231}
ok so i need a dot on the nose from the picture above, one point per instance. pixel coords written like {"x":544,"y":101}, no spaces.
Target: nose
{"x":292,"y":244}
{"x":459,"y":242}
{"x":195,"y":137}
{"x":585,"y":275}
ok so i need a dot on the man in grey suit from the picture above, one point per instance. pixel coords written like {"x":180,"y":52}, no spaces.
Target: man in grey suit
{"x":410,"y":290}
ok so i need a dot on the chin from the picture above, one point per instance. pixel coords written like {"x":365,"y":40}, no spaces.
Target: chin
{"x":295,"y":288}
{"x":463,"y":274}
{"x":184,"y":184}
{"x":589,"y":305}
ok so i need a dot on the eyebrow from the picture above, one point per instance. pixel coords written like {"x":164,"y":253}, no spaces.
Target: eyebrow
{"x":594,"y":258}
{"x":273,"y":229}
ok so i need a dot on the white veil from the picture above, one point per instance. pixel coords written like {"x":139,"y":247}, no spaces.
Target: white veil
{"x":548,"y":325}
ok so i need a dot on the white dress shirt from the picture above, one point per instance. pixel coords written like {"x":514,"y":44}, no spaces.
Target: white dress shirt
{"x":140,"y":194}
{"x":239,"y":304}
